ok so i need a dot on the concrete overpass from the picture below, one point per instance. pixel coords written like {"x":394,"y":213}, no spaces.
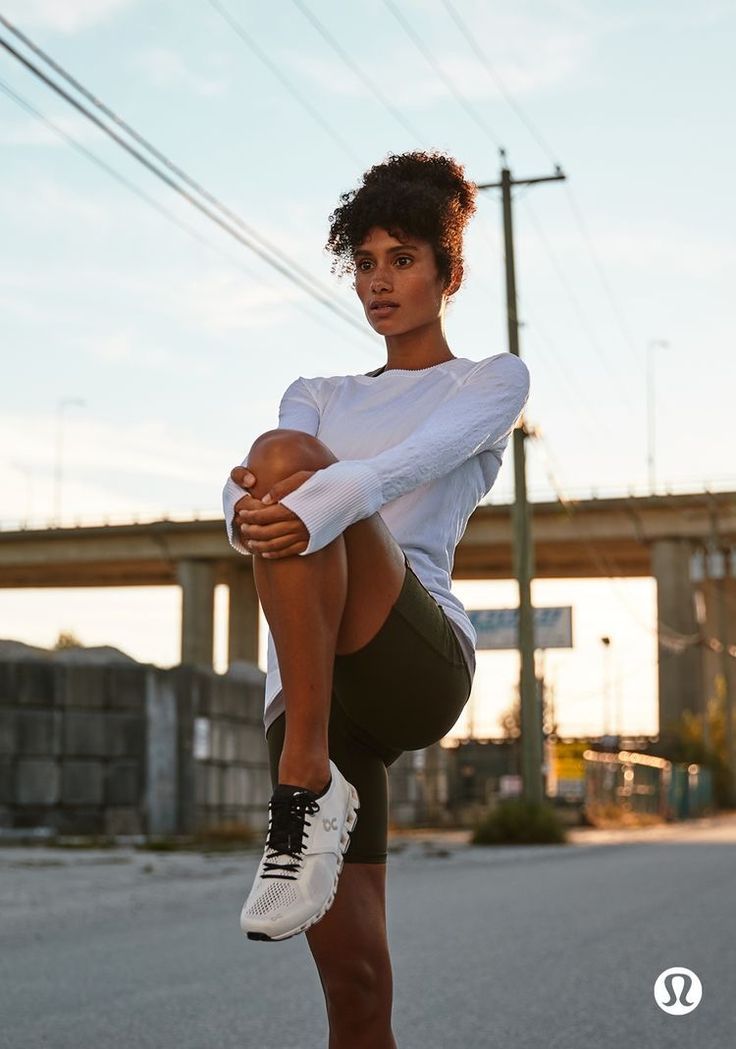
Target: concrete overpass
{"x":619,"y":537}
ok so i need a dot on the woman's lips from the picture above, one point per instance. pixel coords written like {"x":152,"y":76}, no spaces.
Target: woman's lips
{"x":382,"y":311}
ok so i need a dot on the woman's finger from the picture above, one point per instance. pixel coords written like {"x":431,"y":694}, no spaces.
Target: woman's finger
{"x":263,"y":533}
{"x":260,"y":514}
{"x":278,"y":543}
{"x":289,"y":551}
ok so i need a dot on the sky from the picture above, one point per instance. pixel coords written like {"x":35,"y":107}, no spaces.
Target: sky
{"x":144,"y":348}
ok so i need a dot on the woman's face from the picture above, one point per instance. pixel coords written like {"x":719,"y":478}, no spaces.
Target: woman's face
{"x":403,"y":274}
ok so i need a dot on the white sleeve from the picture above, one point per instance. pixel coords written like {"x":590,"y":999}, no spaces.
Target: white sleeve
{"x":298,"y":410}
{"x":479,"y":416}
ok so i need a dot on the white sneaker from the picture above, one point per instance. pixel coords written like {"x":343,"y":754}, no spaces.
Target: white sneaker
{"x":296,"y":881}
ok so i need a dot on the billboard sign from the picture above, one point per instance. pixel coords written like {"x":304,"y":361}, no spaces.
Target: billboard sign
{"x":498,"y":627}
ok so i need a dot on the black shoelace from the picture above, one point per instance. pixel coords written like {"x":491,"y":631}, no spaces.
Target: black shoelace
{"x":286,"y":832}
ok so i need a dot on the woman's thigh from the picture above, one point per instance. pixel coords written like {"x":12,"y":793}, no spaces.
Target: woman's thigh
{"x":405,"y":688}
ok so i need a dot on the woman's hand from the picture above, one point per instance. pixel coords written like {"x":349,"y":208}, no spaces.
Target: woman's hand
{"x":266,"y":527}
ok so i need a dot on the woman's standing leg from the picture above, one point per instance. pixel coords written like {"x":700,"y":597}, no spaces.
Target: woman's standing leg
{"x":350,"y":947}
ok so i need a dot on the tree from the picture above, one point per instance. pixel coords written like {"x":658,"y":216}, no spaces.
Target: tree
{"x":67,"y":639}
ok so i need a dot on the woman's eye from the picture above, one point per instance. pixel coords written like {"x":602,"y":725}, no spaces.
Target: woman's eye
{"x":407,"y":257}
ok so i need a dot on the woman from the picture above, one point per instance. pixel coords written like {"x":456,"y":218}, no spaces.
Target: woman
{"x":370,"y":653}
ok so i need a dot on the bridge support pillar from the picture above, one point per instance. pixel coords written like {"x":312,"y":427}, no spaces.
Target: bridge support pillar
{"x":680,"y":667}
{"x":197,"y":581}
{"x":242,"y":639}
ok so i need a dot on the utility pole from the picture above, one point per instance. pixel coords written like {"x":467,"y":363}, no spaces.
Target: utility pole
{"x":531,"y":730}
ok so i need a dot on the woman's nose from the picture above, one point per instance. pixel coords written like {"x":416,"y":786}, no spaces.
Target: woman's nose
{"x":379,"y":282}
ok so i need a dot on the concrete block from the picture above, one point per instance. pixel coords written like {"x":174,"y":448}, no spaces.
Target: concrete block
{"x":235,"y":696}
{"x":30,"y":817}
{"x":80,"y":820}
{"x":36,"y":683}
{"x":83,"y":686}
{"x":82,"y":782}
{"x":8,"y":732}
{"x":123,"y":821}
{"x":216,"y":740}
{"x":196,"y":688}
{"x":123,"y":784}
{"x":161,"y":755}
{"x":201,"y":776}
{"x":240,"y":736}
{"x":255,"y":746}
{"x":126,"y":688}
{"x":38,"y":732}
{"x":228,"y":741}
{"x":37,"y":782}
{"x":126,"y":735}
{"x":7,"y":781}
{"x":218,"y":701}
{"x":213,"y":775}
{"x":84,"y":734}
{"x":8,"y":682}
{"x":235,"y":785}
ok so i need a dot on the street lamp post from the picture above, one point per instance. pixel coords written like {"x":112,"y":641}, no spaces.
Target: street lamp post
{"x":651,"y":346}
{"x":63,"y":403}
{"x":607,"y":727}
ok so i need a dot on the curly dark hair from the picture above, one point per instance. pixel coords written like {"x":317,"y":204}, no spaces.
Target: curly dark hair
{"x":421,"y":194}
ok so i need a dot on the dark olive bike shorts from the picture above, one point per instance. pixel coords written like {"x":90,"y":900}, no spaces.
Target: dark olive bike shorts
{"x":404,"y":690}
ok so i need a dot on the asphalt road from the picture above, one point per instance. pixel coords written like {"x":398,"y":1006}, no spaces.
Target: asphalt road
{"x":537,"y":947}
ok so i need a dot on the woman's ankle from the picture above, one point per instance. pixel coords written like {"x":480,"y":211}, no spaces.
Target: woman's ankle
{"x":313,"y":778}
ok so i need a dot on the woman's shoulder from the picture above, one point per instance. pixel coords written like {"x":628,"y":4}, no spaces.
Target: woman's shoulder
{"x":504,"y":367}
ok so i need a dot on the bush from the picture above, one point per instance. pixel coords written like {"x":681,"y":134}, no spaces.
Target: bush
{"x":519,"y":822}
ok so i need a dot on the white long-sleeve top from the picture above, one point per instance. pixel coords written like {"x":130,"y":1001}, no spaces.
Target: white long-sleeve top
{"x":423,"y":446}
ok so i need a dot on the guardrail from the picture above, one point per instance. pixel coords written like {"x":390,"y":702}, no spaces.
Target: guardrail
{"x":501,"y":497}
{"x":644,"y":785}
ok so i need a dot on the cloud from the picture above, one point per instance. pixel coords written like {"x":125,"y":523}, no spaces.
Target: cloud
{"x":112,"y":469}
{"x":63,"y":16}
{"x":660,"y":248}
{"x":31,"y":131}
{"x":47,"y":204}
{"x":135,"y":350}
{"x":167,"y":69}
{"x":553,"y":52}
{"x":221,"y":301}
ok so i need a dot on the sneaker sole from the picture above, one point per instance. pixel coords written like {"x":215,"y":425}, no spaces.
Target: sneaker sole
{"x":350,"y":822}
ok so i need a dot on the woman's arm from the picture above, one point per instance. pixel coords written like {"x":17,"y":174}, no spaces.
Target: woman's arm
{"x":297,"y":411}
{"x":479,"y":416}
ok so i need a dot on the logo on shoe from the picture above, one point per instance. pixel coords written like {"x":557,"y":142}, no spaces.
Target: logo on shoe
{"x":330,"y":824}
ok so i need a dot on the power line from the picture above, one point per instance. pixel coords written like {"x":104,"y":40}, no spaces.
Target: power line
{"x":473,"y":43}
{"x":248,"y":40}
{"x":446,"y":80}
{"x":189,"y":230}
{"x":288,"y":268}
{"x":355,"y":69}
{"x":617,"y":311}
{"x":576,"y":305}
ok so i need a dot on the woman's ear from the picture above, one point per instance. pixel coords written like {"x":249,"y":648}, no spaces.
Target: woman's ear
{"x":455,"y":280}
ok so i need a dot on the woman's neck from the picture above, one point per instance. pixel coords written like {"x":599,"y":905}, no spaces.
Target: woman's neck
{"x":419,"y":348}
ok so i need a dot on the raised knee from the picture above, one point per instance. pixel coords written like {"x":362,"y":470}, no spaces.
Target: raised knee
{"x":277,"y":453}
